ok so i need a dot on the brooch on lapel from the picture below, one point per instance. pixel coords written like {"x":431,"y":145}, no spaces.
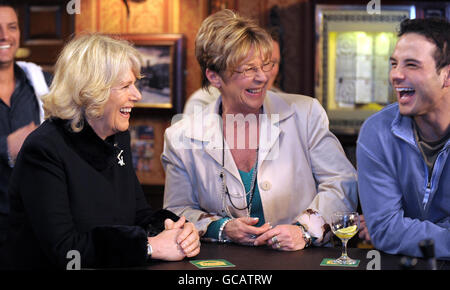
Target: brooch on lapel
{"x":120,"y":158}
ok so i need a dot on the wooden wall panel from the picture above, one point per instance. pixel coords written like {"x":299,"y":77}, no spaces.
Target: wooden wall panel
{"x":185,"y":16}
{"x":193,"y":13}
{"x":86,"y":21}
{"x":152,"y":18}
{"x":44,"y":29}
{"x":254,"y":9}
{"x":297,"y":47}
{"x":155,"y":16}
{"x":111,"y":16}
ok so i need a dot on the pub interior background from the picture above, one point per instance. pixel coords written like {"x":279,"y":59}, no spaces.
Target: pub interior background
{"x":46,"y":25}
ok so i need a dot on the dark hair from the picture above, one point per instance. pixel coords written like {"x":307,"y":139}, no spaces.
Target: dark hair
{"x":437,"y":30}
{"x":8,"y":3}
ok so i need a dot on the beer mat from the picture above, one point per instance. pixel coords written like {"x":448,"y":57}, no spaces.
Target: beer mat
{"x":217,"y":263}
{"x":331,"y":262}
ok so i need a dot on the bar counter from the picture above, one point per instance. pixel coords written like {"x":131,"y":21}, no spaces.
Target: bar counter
{"x":264,"y":258}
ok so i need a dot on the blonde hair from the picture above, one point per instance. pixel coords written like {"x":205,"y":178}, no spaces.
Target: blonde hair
{"x":86,"y":69}
{"x":225,"y":39}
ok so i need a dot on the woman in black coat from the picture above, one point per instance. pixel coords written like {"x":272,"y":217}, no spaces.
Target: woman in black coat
{"x":74,"y":186}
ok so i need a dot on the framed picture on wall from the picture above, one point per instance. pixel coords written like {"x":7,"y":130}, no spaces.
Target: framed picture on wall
{"x":162,"y":69}
{"x":147,"y":139}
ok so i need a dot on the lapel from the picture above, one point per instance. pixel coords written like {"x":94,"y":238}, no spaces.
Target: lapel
{"x":206,"y":129}
{"x":276,"y":110}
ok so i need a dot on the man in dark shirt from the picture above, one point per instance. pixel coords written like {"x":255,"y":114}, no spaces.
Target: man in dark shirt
{"x":19,"y":106}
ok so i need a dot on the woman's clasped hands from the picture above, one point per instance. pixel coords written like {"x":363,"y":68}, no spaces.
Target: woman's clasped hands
{"x":282,"y":237}
{"x":179,"y":239}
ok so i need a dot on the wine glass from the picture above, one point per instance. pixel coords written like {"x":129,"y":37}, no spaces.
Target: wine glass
{"x":345,"y":225}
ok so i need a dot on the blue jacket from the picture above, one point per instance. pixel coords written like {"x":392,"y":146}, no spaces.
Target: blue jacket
{"x":400,"y":207}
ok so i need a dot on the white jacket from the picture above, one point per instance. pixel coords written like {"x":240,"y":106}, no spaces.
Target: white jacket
{"x":301,"y":166}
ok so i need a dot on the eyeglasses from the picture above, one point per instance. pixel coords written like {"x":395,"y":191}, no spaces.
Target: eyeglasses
{"x":250,"y":72}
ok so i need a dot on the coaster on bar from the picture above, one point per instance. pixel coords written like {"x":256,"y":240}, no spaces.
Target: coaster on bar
{"x":202,"y":264}
{"x":331,"y":262}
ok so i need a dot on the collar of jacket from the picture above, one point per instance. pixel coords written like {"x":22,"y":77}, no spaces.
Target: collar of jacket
{"x":100,"y":154}
{"x":206,"y":129}
{"x":275,"y":110}
{"x":402,"y":127}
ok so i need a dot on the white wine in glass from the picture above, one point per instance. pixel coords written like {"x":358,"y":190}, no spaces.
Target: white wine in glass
{"x":345,"y":225}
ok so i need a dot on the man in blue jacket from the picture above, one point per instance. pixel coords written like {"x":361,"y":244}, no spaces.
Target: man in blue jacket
{"x":402,"y":151}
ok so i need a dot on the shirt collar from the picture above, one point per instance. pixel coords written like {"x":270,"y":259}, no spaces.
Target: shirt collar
{"x":403,"y":128}
{"x":20,"y":76}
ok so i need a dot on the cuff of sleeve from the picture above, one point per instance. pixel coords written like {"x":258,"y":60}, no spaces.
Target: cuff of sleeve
{"x":119,"y":245}
{"x":316,"y":226}
{"x":214,"y":229}
{"x":154,"y":223}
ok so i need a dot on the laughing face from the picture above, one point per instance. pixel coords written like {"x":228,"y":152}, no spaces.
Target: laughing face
{"x":242,"y":94}
{"x":117,"y":109}
{"x":418,"y":86}
{"x":9,"y":35}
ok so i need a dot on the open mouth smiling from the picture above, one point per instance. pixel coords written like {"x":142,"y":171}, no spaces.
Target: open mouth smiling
{"x":5,"y":46}
{"x":125,"y":111}
{"x":405,"y":93}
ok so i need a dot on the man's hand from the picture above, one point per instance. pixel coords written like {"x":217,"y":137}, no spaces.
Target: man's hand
{"x":363,"y":231}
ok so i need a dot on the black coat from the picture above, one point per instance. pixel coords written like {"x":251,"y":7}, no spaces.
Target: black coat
{"x":69,"y":192}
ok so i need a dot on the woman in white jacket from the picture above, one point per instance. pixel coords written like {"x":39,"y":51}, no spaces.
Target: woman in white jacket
{"x":255,"y":167}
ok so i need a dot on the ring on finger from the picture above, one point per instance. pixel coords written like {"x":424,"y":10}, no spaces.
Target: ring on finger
{"x":274,"y":240}
{"x":278,"y":245}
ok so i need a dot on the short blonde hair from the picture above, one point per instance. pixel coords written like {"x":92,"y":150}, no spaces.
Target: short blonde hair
{"x":86,"y":69}
{"x":225,"y":39}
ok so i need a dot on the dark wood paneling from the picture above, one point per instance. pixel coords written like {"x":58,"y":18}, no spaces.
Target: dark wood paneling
{"x":48,"y":18}
{"x":297,"y":68}
{"x":45,"y":28}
